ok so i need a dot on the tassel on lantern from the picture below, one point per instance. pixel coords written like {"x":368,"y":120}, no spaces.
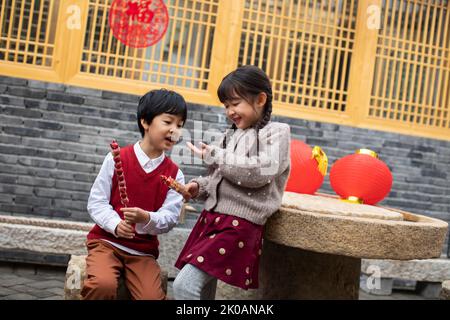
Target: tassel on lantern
{"x":308,"y":168}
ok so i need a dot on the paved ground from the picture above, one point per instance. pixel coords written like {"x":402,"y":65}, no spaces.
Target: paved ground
{"x":31,"y":283}
{"x":24,"y":282}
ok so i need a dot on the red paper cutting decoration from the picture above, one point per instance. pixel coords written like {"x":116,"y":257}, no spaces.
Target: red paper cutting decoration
{"x":361,"y":177}
{"x":308,"y":168}
{"x":138,"y":23}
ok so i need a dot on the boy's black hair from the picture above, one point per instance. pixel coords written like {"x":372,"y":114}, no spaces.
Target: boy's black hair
{"x":157,"y":102}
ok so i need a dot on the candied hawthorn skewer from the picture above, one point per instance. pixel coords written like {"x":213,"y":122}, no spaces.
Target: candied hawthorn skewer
{"x":115,"y":150}
{"x":175,"y":185}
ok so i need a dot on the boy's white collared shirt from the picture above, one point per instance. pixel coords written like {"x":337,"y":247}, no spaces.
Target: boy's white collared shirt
{"x":104,"y":215}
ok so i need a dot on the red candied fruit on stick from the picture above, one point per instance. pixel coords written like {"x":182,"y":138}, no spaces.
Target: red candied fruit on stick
{"x":175,"y":185}
{"x":114,"y":145}
{"x":115,"y":150}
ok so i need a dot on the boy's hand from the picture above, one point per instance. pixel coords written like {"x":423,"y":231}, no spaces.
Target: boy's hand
{"x":124,"y":230}
{"x":135,"y":215}
{"x":192,"y":189}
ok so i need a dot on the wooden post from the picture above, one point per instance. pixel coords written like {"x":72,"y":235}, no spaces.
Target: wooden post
{"x":362,"y":64}
{"x":72,"y":19}
{"x":227,"y":37}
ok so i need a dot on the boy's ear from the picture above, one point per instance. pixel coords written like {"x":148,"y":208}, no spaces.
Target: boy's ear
{"x":144,"y":124}
{"x":261,"y":99}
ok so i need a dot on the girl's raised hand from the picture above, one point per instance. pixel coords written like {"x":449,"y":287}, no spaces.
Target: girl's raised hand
{"x":201,"y":153}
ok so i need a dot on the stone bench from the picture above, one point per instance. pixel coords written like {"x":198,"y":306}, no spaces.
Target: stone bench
{"x":428,"y":274}
{"x":76,"y":273}
{"x":60,"y":237}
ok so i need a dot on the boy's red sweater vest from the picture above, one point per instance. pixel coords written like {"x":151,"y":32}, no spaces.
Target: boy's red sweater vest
{"x":145,"y":191}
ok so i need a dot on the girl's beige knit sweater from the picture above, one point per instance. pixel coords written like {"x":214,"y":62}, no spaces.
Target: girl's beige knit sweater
{"x":245,"y":183}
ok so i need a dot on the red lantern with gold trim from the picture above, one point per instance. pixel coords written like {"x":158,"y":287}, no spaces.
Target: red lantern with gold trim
{"x":308,"y":168}
{"x":361,"y":177}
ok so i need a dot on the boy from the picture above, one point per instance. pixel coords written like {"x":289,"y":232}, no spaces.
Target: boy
{"x":124,"y":239}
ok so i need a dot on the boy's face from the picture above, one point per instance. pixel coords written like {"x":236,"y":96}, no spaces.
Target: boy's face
{"x":164,"y":131}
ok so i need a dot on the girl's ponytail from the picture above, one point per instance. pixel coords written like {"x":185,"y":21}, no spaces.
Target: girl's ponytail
{"x":265,"y":118}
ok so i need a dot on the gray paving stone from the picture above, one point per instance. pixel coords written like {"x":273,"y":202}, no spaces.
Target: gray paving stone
{"x":14,"y":281}
{"x":8,"y":276}
{"x":6,"y":292}
{"x":56,"y":274}
{"x":22,"y":288}
{"x":25,"y":271}
{"x":57,"y":291}
{"x":47,"y":284}
{"x":40,"y":278}
{"x":41,"y":294}
{"x":20,"y":296}
{"x":53,"y":298}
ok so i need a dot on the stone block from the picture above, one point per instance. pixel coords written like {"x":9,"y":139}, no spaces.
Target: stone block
{"x":64,"y":97}
{"x":76,"y":273}
{"x":405,"y":285}
{"x":445,"y":292}
{"x":379,"y":287}
{"x":429,"y":290}
{"x":427,"y":270}
{"x":120,"y":96}
{"x":13,"y":81}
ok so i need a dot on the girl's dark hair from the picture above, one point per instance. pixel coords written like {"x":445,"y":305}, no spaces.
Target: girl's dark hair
{"x":157,"y":102}
{"x":247,"y":82}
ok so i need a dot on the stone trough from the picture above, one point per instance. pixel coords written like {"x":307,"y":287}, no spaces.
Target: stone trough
{"x":314,"y":245}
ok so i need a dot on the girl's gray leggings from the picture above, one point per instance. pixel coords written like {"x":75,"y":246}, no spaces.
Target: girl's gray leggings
{"x":192,"y":283}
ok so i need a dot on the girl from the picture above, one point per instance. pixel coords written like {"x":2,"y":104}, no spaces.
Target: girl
{"x":249,"y":171}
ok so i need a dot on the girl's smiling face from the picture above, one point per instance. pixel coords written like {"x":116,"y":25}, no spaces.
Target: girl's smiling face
{"x":243,"y":113}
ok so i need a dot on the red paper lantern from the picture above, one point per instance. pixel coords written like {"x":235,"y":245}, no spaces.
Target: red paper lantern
{"x":308,"y":168}
{"x":361,"y":177}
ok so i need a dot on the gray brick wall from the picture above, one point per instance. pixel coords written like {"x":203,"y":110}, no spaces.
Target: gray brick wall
{"x":54,"y":138}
